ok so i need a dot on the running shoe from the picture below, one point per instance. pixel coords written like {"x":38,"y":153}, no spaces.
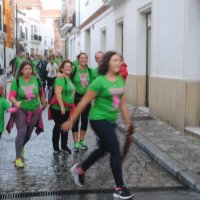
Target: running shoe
{"x":83,"y":145}
{"x":76,"y":147}
{"x":56,"y":151}
{"x":78,"y":179}
{"x":122,"y":193}
{"x":19,"y":163}
{"x":66,"y":150}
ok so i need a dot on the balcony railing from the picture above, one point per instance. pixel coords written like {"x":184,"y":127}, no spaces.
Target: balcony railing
{"x":36,"y":37}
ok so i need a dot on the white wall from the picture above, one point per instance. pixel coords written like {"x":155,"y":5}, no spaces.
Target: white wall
{"x":192,"y":66}
{"x":175,"y":36}
{"x":88,"y":7}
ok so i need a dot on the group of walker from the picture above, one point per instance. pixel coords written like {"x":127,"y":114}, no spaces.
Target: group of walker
{"x":80,"y":93}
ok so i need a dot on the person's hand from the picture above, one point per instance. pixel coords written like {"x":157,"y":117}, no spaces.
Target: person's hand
{"x":17,"y":104}
{"x":59,"y":75}
{"x":66,"y":126}
{"x":43,"y":106}
{"x":63,"y":110}
{"x":130,"y":129}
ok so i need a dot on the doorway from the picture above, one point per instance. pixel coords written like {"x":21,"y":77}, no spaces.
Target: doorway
{"x":148,"y":55}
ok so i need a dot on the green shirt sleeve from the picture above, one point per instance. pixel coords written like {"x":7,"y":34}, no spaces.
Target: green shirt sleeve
{"x":6,"y":105}
{"x":59,"y":82}
{"x":13,"y":85}
{"x":96,"y":85}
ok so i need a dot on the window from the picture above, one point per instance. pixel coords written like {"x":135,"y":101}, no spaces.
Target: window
{"x":32,"y":32}
{"x":120,"y":37}
{"x":103,"y":40}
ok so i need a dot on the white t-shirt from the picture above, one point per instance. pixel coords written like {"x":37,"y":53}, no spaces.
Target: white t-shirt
{"x":51,"y":69}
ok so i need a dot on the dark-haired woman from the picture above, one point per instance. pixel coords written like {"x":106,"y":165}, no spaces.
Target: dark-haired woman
{"x":81,"y":78}
{"x":61,"y":105}
{"x":107,"y":91}
{"x":26,"y":94}
{"x":51,"y":69}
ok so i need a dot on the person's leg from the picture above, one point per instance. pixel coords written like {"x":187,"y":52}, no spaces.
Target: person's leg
{"x":64,"y":135}
{"x":75,"y":129}
{"x":75,"y":135}
{"x":30,"y":128}
{"x":108,"y":142}
{"x":84,"y":125}
{"x":56,"y":130}
{"x":20,"y":122}
{"x":0,"y":134}
{"x":79,"y":170}
{"x":48,"y":82}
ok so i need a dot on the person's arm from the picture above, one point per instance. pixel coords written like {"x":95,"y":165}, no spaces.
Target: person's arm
{"x":16,"y":103}
{"x":13,"y":94}
{"x":125,"y":114}
{"x":87,"y":98}
{"x":58,"y":93}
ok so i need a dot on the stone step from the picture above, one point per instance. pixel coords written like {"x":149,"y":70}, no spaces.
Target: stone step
{"x":193,"y":131}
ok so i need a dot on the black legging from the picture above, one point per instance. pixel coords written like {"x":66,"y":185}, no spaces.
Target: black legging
{"x":84,"y":116}
{"x":59,"y":119}
{"x":108,"y":142}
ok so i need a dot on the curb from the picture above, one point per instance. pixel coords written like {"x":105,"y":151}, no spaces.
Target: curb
{"x":187,"y":177}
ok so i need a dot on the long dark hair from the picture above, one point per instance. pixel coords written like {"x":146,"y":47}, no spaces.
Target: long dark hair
{"x":104,"y":67}
{"x":23,"y":64}
{"x":63,"y":64}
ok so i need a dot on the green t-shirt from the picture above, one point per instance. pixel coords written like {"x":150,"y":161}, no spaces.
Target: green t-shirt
{"x":95,"y":73}
{"x":81,"y":79}
{"x":34,"y":63}
{"x":75,"y":63}
{"x":3,"y":106}
{"x":27,"y":92}
{"x":68,"y":91}
{"x":58,"y":61}
{"x":18,"y":62}
{"x":107,"y":102}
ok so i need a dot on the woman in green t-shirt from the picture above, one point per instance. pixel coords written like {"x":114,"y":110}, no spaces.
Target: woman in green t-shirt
{"x":27,"y":95}
{"x":61,"y":105}
{"x":81,"y":78}
{"x":107,"y":92}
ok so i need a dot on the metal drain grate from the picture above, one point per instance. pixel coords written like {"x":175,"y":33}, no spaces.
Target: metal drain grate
{"x":92,"y":191}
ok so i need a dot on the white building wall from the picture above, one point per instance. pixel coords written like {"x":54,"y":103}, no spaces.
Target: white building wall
{"x":88,"y":7}
{"x":192,"y":58}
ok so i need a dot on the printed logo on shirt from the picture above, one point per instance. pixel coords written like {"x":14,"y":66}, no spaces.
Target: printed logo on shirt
{"x":116,"y":92}
{"x":28,"y":91}
{"x":83,"y":78}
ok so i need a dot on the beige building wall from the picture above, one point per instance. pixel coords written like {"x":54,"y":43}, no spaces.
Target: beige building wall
{"x":174,"y":101}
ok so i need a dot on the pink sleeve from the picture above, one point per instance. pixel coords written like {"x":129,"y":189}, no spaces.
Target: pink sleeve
{"x":13,"y":94}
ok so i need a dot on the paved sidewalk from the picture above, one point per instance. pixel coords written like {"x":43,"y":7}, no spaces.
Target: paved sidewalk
{"x":175,"y":151}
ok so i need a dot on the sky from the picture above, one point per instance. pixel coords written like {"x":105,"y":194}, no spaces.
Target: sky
{"x":51,"y":4}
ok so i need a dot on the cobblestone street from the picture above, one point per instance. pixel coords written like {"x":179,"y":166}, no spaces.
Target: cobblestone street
{"x":45,"y":171}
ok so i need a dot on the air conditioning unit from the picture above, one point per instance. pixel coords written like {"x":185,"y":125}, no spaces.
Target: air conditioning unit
{"x":110,"y":2}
